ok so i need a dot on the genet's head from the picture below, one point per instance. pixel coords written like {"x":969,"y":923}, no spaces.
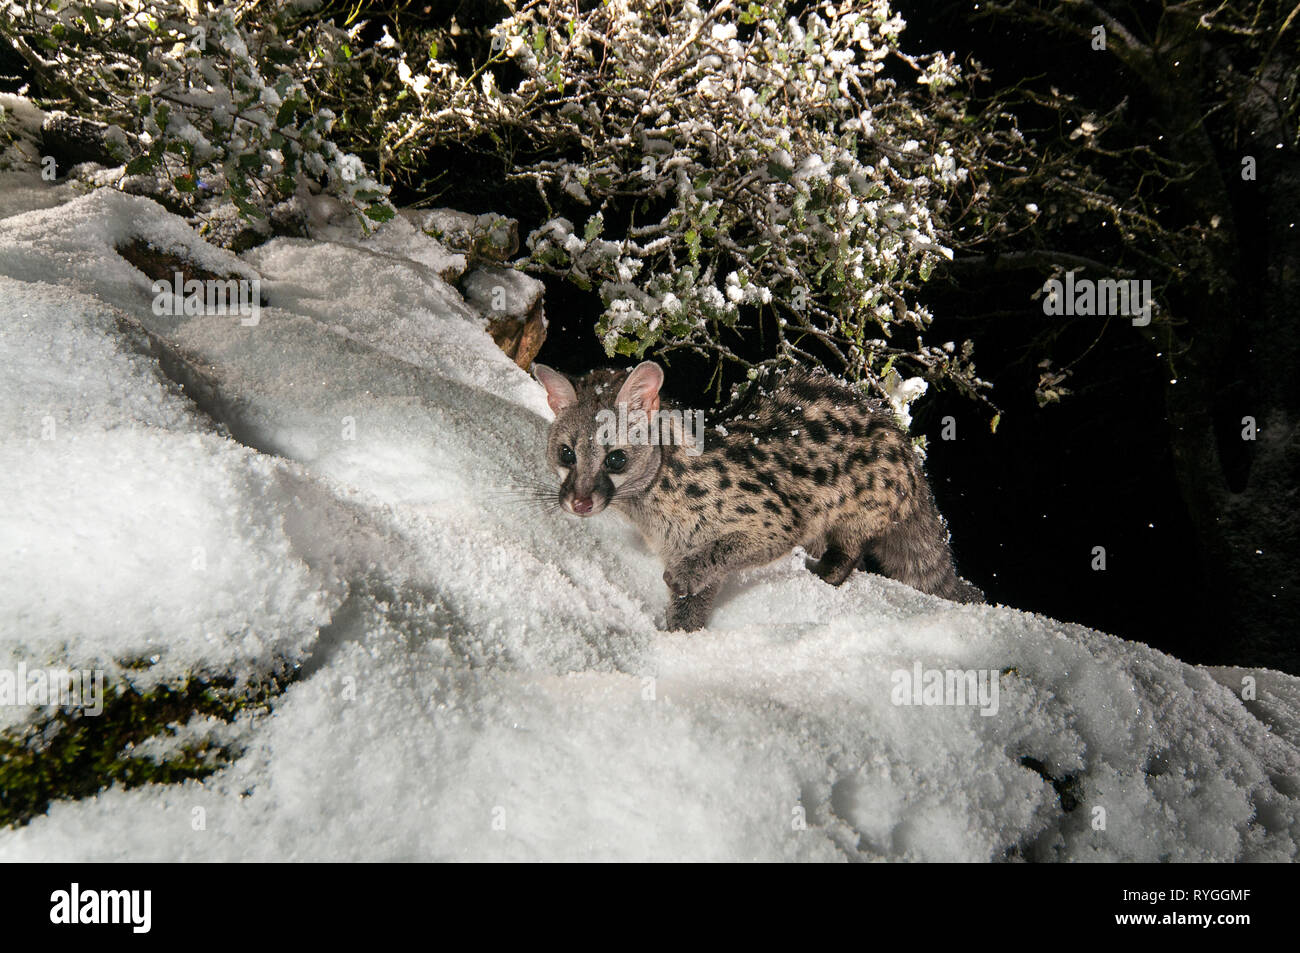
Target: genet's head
{"x":598,"y":460}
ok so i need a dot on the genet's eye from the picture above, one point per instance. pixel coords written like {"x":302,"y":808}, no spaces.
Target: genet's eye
{"x":567,"y":457}
{"x":615,"y":461}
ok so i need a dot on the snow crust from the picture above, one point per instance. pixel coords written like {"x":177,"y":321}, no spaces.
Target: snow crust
{"x":483,"y":679}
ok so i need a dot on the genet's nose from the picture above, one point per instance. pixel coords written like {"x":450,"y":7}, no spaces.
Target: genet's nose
{"x":582,"y":504}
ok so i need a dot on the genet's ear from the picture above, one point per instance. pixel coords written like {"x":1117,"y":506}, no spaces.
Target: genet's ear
{"x":641,"y":389}
{"x":559,"y":390}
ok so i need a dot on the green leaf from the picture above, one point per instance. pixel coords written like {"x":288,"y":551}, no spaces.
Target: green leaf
{"x":379,"y":213}
{"x":248,"y":209}
{"x":779,"y":171}
{"x":141,"y":164}
{"x":286,"y":112}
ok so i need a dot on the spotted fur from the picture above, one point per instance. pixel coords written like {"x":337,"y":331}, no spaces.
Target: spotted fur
{"x":812,"y":464}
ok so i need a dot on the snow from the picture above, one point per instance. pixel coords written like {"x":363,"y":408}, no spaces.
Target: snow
{"x":330,"y":220}
{"x":133,"y":531}
{"x":482,"y":679}
{"x":498,"y":292}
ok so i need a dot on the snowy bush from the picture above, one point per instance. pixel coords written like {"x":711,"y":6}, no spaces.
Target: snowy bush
{"x":724,"y":164}
{"x":216,"y":104}
{"x":762,"y":183}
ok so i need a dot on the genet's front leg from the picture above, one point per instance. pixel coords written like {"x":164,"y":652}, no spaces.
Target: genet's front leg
{"x":701,"y":571}
{"x":708,"y":565}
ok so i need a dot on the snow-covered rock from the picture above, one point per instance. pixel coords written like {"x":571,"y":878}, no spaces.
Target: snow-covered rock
{"x":483,"y":678}
{"x":486,"y":237}
{"x":512,"y":302}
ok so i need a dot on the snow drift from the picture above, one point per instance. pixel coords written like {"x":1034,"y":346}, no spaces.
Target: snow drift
{"x":482,"y":680}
